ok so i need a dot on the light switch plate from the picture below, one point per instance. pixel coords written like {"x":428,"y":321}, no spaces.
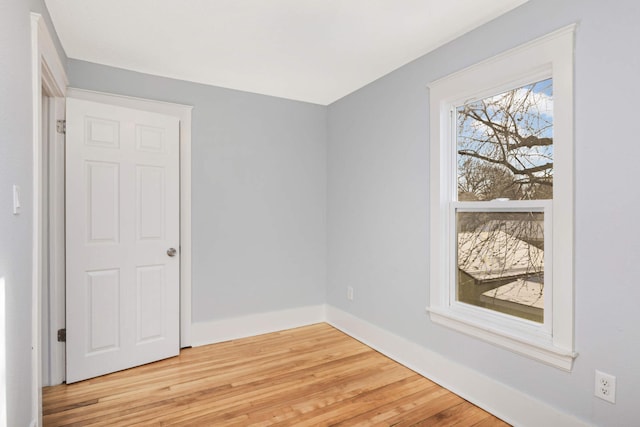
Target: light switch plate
{"x":16,"y":199}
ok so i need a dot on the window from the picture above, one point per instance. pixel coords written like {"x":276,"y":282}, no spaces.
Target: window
{"x":502,"y":200}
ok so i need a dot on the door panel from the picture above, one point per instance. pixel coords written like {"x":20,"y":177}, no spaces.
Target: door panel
{"x":150,"y":191}
{"x":103,"y":196}
{"x":151,"y":303}
{"x":122,"y":214}
{"x":103,"y":294}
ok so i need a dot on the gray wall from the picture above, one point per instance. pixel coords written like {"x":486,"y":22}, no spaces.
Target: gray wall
{"x":259,"y":192}
{"x":378,"y":205}
{"x":16,"y":168}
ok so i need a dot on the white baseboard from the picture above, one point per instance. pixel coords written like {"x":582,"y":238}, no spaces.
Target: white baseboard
{"x":505,"y":402}
{"x":204,"y":333}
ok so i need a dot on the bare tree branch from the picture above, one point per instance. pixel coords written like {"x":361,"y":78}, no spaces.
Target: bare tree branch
{"x":516,"y":171}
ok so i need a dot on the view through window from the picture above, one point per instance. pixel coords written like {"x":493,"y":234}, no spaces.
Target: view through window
{"x":504,"y":149}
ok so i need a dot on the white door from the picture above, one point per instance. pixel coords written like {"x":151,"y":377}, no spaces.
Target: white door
{"x":122,"y":221}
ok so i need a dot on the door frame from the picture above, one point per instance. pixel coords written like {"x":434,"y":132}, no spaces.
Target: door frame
{"x":52,"y":280}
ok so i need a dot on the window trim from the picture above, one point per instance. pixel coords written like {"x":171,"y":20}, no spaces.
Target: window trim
{"x":548,"y":56}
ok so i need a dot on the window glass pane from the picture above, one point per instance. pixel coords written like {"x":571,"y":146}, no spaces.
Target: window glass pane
{"x":500,"y":259}
{"x":504,"y":145}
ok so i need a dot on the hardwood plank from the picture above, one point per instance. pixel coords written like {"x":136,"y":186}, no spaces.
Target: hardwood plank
{"x":310,"y":376}
{"x":315,"y":395}
{"x":237,"y":398}
{"x":463,"y":413}
{"x":490,"y":421}
{"x":407,"y":409}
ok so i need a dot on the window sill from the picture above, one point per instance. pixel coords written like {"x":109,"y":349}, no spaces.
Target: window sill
{"x":535,"y":348}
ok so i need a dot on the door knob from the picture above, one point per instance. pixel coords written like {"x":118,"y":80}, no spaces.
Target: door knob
{"x":171,"y":252}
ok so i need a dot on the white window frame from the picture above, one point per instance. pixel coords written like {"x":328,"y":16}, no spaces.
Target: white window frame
{"x":551,"y":342}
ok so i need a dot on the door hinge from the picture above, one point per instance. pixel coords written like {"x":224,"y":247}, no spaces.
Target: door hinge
{"x":62,"y":335}
{"x":61,"y":126}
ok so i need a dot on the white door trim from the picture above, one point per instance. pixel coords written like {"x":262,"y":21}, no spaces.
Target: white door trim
{"x":183,"y":113}
{"x":52,"y":285}
{"x":46,"y":71}
{"x":56,"y":254}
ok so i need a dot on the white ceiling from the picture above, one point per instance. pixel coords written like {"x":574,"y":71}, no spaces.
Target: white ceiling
{"x":309,"y":50}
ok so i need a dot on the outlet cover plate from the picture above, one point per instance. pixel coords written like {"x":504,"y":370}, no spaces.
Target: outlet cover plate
{"x":605,"y":386}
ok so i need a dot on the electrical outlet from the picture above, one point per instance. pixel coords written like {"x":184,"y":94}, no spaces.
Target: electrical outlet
{"x":605,"y":387}
{"x":350,"y":293}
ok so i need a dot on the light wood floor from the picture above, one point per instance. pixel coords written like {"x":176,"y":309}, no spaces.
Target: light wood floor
{"x":310,"y":376}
